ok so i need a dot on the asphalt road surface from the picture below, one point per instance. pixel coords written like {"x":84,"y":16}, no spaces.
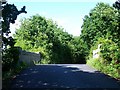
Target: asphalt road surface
{"x":63,"y":76}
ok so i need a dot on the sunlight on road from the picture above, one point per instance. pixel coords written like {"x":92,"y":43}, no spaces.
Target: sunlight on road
{"x":80,"y":67}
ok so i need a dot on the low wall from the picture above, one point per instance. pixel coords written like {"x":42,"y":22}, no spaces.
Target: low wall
{"x":28,"y":57}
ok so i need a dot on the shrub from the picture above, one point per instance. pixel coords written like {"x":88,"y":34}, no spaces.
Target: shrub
{"x":109,"y":60}
{"x":10,"y":58}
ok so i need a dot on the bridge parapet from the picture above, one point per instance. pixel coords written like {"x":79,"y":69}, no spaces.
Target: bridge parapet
{"x":28,"y":57}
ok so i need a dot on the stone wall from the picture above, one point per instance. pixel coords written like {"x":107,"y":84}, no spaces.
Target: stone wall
{"x":28,"y":57}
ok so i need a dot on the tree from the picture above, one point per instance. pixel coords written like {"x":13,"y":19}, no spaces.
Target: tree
{"x":117,"y":4}
{"x":9,"y":55}
{"x":79,"y":50}
{"x":102,"y":26}
{"x":45,"y":36}
{"x":101,"y":22}
{"x":9,"y":15}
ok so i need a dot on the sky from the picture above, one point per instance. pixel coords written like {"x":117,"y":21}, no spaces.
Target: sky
{"x":68,"y":14}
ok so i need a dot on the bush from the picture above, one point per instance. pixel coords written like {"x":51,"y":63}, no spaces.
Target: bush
{"x":10,"y":58}
{"x":110,"y":52}
{"x":109,"y":60}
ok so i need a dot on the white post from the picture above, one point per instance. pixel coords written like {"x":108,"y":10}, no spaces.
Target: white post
{"x":96,"y":52}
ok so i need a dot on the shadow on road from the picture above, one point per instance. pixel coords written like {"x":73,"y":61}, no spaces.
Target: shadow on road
{"x":62,"y":76}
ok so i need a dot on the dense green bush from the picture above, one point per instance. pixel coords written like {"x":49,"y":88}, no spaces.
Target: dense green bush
{"x":38,"y":34}
{"x":102,"y":21}
{"x":109,"y":60}
{"x":10,"y":58}
{"x":102,"y":26}
{"x":79,"y":50}
{"x":110,"y":52}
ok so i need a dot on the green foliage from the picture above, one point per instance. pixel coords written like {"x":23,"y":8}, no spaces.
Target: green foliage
{"x":102,"y":21}
{"x":105,"y":68}
{"x":10,"y":58}
{"x":109,"y":60}
{"x":117,"y":5}
{"x":110,"y":51}
{"x":39,"y":34}
{"x":79,"y":50}
{"x":102,"y":26}
{"x":9,"y":15}
{"x":10,"y":54}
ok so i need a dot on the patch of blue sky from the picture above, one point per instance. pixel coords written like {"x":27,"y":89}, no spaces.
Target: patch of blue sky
{"x":68,"y":14}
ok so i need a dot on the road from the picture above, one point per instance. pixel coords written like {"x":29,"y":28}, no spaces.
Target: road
{"x":63,"y":76}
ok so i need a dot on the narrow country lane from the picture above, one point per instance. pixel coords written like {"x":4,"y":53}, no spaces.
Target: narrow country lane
{"x":63,"y":76}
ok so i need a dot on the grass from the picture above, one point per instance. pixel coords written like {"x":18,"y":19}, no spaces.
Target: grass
{"x":105,"y":68}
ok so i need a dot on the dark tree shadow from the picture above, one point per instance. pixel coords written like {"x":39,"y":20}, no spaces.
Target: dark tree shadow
{"x":62,"y":76}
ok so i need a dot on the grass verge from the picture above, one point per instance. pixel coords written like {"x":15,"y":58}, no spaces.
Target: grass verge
{"x":104,"y":68}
